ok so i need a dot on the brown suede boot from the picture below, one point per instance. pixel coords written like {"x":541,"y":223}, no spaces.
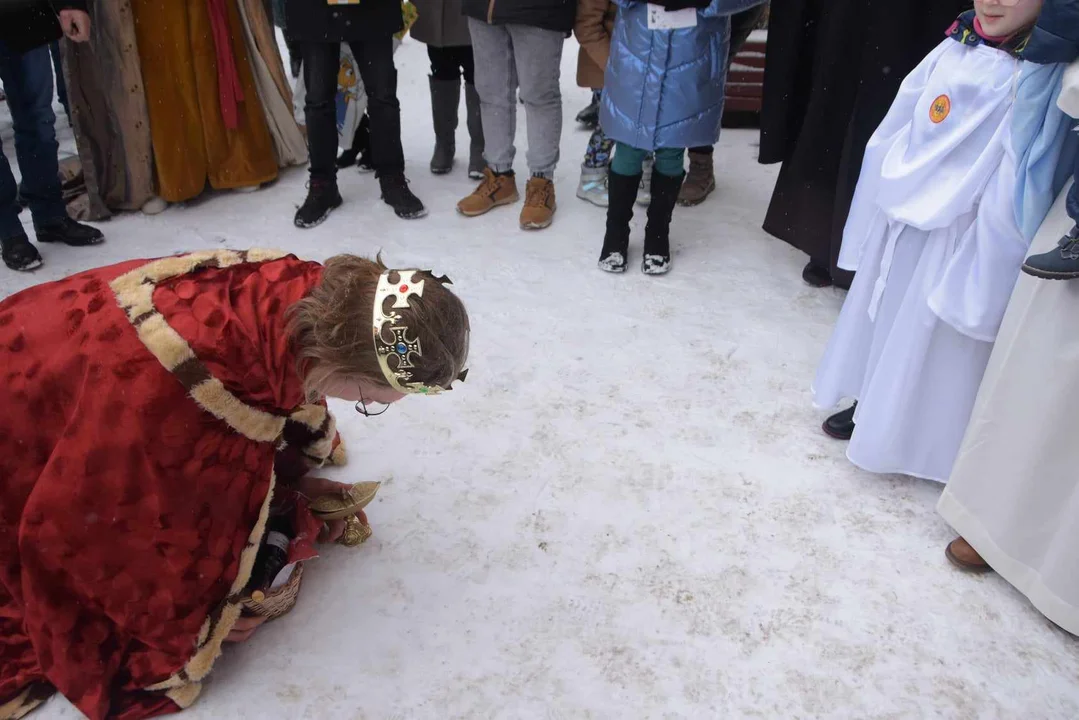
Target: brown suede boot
{"x":960,"y":553}
{"x":495,"y":190}
{"x":538,"y":212}
{"x":700,"y":182}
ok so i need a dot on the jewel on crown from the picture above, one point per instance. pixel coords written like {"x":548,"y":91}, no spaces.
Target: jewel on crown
{"x":398,"y":344}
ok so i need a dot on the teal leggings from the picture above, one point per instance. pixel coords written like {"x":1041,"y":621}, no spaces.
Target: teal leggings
{"x":629,"y":160}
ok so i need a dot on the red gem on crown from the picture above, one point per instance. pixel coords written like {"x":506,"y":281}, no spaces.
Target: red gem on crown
{"x":404,"y":288}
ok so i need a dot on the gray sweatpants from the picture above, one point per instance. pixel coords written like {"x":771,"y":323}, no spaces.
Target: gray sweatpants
{"x":508,"y":56}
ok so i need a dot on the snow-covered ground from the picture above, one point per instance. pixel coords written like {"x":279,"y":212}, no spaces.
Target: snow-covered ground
{"x":629,"y":510}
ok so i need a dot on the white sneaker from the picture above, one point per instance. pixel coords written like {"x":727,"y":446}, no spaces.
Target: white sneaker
{"x":593,"y":186}
{"x":644,"y":191}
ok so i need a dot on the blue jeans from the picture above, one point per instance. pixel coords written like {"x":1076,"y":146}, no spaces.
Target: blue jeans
{"x":27,"y":80}
{"x":1073,"y":196}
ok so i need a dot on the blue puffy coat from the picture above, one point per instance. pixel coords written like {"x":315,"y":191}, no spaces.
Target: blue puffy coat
{"x":665,"y":88}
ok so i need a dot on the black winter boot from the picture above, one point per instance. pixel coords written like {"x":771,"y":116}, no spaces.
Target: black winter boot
{"x":474,"y":120}
{"x":622,"y":193}
{"x":589,"y":117}
{"x":67,"y":231}
{"x":19,"y":254}
{"x":445,"y":99}
{"x":322,"y":198}
{"x":657,"y":233}
{"x":1060,"y":263}
{"x":396,"y":194}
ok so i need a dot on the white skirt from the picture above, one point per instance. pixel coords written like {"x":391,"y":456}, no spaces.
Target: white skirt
{"x":914,"y":376}
{"x":1014,"y":493}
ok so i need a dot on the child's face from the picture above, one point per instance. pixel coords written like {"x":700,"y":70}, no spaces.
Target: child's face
{"x":1003,"y":18}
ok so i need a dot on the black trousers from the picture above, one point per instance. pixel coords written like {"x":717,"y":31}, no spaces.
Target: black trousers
{"x":321,"y":62}
{"x":450,"y":63}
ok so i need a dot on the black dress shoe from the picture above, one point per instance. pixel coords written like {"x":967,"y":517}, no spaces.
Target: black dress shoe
{"x":67,"y":231}
{"x":841,"y":425}
{"x":19,"y":254}
{"x":817,"y":276}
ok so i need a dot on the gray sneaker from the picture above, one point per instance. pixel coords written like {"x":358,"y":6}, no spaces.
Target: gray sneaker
{"x":593,"y":185}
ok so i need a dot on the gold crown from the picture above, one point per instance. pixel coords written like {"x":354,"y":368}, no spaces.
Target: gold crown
{"x":400,"y":346}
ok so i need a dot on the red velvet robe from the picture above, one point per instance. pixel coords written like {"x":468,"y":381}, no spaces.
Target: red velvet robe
{"x":143,"y":409}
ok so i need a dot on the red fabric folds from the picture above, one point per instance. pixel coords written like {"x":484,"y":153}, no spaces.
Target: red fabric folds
{"x":124,"y":505}
{"x":228,"y":76}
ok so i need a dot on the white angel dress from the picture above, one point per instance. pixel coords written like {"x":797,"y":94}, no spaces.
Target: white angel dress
{"x":953,"y":186}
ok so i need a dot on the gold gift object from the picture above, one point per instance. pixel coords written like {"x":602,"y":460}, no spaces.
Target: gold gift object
{"x":334,"y":506}
{"x":356,"y":533}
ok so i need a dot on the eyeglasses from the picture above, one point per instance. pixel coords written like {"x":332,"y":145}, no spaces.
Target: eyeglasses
{"x":370,"y":409}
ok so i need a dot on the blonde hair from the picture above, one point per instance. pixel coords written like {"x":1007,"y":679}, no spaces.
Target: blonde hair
{"x":333,"y":333}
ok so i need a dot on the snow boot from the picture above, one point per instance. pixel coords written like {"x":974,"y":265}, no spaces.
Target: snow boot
{"x":841,"y":425}
{"x":396,"y":194}
{"x":476,"y":163}
{"x":589,"y":117}
{"x":445,"y":98}
{"x":644,"y":192}
{"x":495,"y":190}
{"x":539,"y":209}
{"x":593,"y":185}
{"x":622,"y":191}
{"x":700,"y":182}
{"x":657,"y":233}
{"x":1060,"y":263}
{"x":322,"y":199}
{"x":816,"y":275}
{"x":361,"y":144}
{"x":67,"y":231}
{"x":19,"y":254}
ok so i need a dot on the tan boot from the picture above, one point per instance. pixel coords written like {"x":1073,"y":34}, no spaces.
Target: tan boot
{"x":495,"y":190}
{"x":961,"y":554}
{"x":538,"y":212}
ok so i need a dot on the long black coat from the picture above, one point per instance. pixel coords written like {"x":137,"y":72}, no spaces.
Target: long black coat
{"x":28,"y":24}
{"x":317,"y":21}
{"x":832,"y":71}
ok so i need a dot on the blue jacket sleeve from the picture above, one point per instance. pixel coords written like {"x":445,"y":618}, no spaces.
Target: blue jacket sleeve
{"x":720,"y":8}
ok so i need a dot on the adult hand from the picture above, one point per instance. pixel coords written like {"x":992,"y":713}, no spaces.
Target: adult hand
{"x":244,"y":628}
{"x":313,"y":487}
{"x":75,"y":24}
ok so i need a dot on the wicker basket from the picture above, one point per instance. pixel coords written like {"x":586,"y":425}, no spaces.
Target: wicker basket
{"x":280,"y":600}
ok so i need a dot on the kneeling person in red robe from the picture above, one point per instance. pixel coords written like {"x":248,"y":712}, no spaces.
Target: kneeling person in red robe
{"x":150,"y":412}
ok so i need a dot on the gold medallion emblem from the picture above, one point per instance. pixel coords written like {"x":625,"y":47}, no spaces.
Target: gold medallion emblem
{"x":940,"y":109}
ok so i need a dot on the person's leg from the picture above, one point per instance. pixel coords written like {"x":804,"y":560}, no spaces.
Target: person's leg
{"x":496,"y":83}
{"x":58,"y":69}
{"x":30,"y":92}
{"x":320,"y":65}
{"x":495,"y":92}
{"x":1062,"y":262}
{"x":445,"y":84}
{"x":473,"y":119}
{"x":375,"y":60}
{"x":622,"y":182}
{"x":538,"y":54}
{"x":10,"y":226}
{"x":597,"y":157}
{"x":379,"y":74}
{"x":668,"y":173}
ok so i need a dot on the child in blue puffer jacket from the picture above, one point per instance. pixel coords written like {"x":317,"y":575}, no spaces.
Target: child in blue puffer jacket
{"x":663,"y":92}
